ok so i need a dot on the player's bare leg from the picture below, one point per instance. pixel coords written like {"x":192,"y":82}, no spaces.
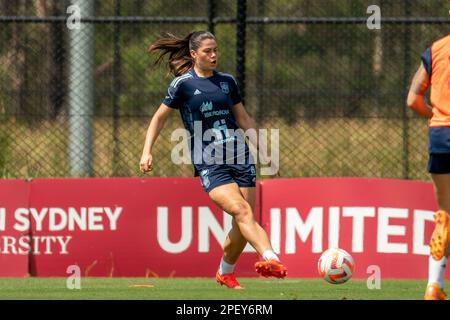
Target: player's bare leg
{"x":235,"y":242}
{"x":439,"y":241}
{"x":239,"y":202}
{"x":233,"y":246}
{"x":230,"y":199}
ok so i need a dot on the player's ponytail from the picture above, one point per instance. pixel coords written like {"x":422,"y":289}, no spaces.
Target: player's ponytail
{"x":178,"y":50}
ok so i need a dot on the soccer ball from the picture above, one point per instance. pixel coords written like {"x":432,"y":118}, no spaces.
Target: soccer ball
{"x":336,"y":266}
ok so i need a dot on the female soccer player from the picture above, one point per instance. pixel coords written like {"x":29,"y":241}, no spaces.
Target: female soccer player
{"x":434,"y":72}
{"x":212,"y":111}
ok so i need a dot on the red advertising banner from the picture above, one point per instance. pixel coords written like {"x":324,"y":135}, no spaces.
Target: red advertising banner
{"x":384,"y":224}
{"x":168,"y":227}
{"x":127,"y":227}
{"x":13,"y":262}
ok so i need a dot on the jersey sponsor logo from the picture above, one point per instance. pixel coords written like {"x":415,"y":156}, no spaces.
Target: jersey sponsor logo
{"x":216,"y":113}
{"x":225,"y":88}
{"x":196,"y":92}
{"x":206,"y":106}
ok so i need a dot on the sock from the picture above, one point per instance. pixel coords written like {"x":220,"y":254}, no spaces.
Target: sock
{"x":226,"y":268}
{"x":269,"y":254}
{"x":436,"y":270}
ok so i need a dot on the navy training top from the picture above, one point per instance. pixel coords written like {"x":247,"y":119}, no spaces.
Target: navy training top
{"x":205,"y":105}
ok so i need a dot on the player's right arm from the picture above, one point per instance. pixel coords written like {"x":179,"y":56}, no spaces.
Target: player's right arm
{"x":416,"y":98}
{"x":155,"y":127}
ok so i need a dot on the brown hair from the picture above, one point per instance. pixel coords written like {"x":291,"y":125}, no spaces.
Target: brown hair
{"x":178,"y":50}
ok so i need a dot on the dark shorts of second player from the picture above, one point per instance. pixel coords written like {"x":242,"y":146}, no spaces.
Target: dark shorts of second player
{"x":439,"y":163}
{"x":439,"y":150}
{"x":244,"y":175}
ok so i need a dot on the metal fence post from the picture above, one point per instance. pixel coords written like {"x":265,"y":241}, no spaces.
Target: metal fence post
{"x":81,"y":92}
{"x":211,"y":15}
{"x":116,"y":90}
{"x":406,"y":76}
{"x":240,"y":45}
{"x":260,"y":62}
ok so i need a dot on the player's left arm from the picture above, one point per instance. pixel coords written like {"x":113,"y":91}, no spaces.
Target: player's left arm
{"x":416,"y":94}
{"x":243,"y":119}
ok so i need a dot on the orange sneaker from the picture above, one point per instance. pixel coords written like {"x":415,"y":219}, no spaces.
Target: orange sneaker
{"x":433,"y":292}
{"x":439,"y":239}
{"x":271,"y":268}
{"x":229,"y":280}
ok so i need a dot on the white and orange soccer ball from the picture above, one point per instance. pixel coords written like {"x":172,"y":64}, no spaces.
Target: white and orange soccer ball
{"x":336,"y":266}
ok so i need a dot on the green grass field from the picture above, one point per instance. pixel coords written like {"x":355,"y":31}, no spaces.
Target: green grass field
{"x":207,"y":289}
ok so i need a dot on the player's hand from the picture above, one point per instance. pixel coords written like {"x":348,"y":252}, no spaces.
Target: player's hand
{"x":146,"y":163}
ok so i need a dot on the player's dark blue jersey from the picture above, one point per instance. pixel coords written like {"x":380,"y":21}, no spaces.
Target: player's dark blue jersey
{"x":205,"y":105}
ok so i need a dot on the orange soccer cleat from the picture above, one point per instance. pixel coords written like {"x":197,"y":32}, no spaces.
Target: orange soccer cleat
{"x":439,"y":239}
{"x":271,"y":268}
{"x":229,"y":280}
{"x":433,"y":292}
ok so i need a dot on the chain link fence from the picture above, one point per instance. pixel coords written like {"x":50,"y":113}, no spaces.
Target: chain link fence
{"x":312,"y":69}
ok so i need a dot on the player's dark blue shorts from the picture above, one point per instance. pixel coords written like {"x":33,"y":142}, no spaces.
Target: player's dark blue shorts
{"x":439,"y":163}
{"x":244,"y":175}
{"x":439,"y":150}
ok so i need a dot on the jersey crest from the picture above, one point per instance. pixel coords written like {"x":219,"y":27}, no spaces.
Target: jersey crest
{"x":225,"y":88}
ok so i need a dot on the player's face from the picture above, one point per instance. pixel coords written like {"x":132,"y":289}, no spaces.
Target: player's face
{"x":206,"y":56}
